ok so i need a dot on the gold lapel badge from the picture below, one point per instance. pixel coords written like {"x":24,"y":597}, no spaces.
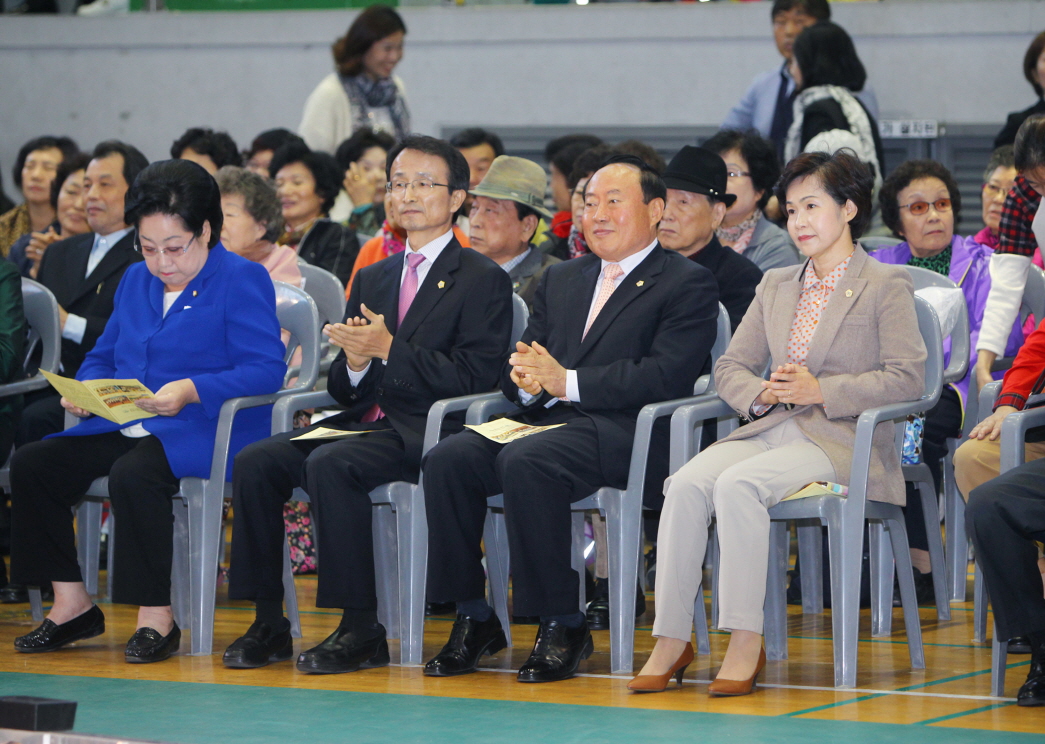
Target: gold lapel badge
{"x":441,"y":284}
{"x":194,"y":293}
{"x":639,"y":283}
{"x":849,"y":293}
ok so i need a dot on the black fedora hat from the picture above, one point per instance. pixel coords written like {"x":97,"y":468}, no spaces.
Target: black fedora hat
{"x":700,"y":171}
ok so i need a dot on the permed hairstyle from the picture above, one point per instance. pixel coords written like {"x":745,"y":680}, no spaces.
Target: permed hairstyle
{"x":456,"y":165}
{"x":1002,"y":157}
{"x":177,"y":188}
{"x":844,"y":177}
{"x":826,"y":56}
{"x":645,"y":152}
{"x":271,"y":139}
{"x":373,"y":24}
{"x":67,"y":147}
{"x":259,"y":198}
{"x":324,"y":169}
{"x":904,"y":175}
{"x":757,"y":151}
{"x":218,"y":146}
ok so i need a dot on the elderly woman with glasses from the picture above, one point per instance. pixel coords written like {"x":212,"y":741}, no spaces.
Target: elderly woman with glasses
{"x":196,"y":324}
{"x":921,"y":203}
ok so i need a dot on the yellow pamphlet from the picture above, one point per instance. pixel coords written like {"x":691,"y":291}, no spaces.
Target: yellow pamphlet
{"x":325,"y":433}
{"x":818,"y":488}
{"x":110,"y":399}
{"x":505,"y":430}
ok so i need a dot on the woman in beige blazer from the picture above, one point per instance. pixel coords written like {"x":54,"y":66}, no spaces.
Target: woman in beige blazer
{"x":840,"y":334}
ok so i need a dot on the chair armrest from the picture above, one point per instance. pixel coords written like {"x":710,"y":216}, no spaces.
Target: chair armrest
{"x":38,"y":382}
{"x":648,"y":416}
{"x":684,"y":423}
{"x":284,"y":409}
{"x":439,"y":411}
{"x":1014,"y":434}
{"x":226,"y":417}
{"x":485,"y":406}
{"x":988,"y":394}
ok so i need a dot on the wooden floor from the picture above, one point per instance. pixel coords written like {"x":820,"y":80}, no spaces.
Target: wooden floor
{"x":952,"y":692}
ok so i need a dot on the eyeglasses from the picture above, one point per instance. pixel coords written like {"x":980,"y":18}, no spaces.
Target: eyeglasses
{"x":421,"y":185}
{"x":920,"y":207}
{"x":172,"y":252}
{"x":995,"y":191}
{"x":737,"y":174}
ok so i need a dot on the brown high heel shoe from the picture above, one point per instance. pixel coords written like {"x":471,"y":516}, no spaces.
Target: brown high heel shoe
{"x":659,"y":682}
{"x":735,"y":687}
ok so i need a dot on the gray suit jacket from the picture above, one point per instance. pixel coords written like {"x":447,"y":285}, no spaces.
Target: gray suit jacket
{"x":527,"y":275}
{"x":771,"y":247}
{"x":866,"y":352}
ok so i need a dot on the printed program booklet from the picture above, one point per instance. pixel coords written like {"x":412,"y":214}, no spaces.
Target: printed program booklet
{"x":110,"y":399}
{"x":818,"y":488}
{"x":505,"y":430}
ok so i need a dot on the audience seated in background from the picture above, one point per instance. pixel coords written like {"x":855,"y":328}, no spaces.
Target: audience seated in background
{"x":827,"y":115}
{"x":1034,"y":71}
{"x":67,"y":198}
{"x":644,"y":152}
{"x":362,"y":159}
{"x":207,"y":148}
{"x":574,"y":244}
{"x":610,"y":332}
{"x":506,"y":207}
{"x":34,"y":170}
{"x":227,"y":346}
{"x":921,"y":203}
{"x":431,"y":322}
{"x":12,"y":343}
{"x":768,"y":104}
{"x":6,"y":205}
{"x":362,"y":92}
{"x":802,"y":421}
{"x":561,"y":154}
{"x":479,"y":148}
{"x":84,"y":273}
{"x":753,"y":169}
{"x":998,"y":179}
{"x":307,"y":182}
{"x":697,"y":201}
{"x":259,"y":156}
{"x":1017,"y":244}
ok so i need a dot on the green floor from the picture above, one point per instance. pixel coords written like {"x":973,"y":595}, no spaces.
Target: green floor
{"x":190,"y":713}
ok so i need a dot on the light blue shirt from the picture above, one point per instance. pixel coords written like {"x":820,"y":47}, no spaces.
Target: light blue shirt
{"x":75,"y":325}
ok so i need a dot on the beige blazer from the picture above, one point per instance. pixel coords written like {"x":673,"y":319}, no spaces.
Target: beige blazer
{"x":866,"y":352}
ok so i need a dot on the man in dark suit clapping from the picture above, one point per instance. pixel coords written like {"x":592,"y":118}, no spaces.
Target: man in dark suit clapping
{"x":428,"y":323}
{"x":631,"y":324}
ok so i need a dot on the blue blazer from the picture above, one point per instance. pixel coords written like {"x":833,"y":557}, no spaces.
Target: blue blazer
{"x":222,"y":333}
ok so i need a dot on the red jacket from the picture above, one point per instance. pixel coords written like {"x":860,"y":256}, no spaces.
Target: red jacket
{"x":1027,"y":375}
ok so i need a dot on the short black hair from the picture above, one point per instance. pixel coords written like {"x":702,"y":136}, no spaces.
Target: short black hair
{"x":759,"y":153}
{"x":818,"y":9}
{"x":178,"y":188}
{"x":641,"y":150}
{"x":588,"y":162}
{"x":825,"y":54}
{"x":456,"y":165}
{"x":67,"y":147}
{"x":352,"y":149}
{"x":652,"y":185}
{"x":901,"y":178}
{"x":1030,"y":62}
{"x":565,"y":158}
{"x":133,"y":160}
{"x":272,"y":139}
{"x":218,"y":146}
{"x":475,"y":136}
{"x":1002,"y":157}
{"x":1029,"y":148}
{"x":68,"y":166}
{"x":844,"y":177}
{"x":324,"y":169}
{"x":569,"y":140}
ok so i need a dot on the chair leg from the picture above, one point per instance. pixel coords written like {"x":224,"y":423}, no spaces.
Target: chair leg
{"x":713,"y":558}
{"x":811,"y":565}
{"x":36,"y":604}
{"x":180,"y":603}
{"x":897,"y":534}
{"x":386,"y":569}
{"x":622,"y":530}
{"x":999,"y":650}
{"x":700,"y":620}
{"x":88,"y":542}
{"x":495,"y":538}
{"x":775,"y":608}
{"x":979,"y":606}
{"x":205,"y":499}
{"x":881,"y":551}
{"x":931,"y":512}
{"x":957,"y":547}
{"x":290,"y":594}
{"x":577,"y":556}
{"x":412,"y":532}
{"x":845,"y":545}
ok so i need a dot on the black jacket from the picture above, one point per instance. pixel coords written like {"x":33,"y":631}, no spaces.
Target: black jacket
{"x":331,"y":246}
{"x":826,"y":114}
{"x":1007,"y":135}
{"x":736,"y":276}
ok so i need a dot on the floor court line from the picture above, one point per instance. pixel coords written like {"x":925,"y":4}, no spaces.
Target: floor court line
{"x":952,"y":716}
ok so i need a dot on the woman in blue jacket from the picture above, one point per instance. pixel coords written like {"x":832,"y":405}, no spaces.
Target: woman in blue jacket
{"x":196,"y":324}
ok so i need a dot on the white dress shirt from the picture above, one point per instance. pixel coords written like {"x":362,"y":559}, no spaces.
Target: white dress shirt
{"x":76,"y":325}
{"x":431,"y":253}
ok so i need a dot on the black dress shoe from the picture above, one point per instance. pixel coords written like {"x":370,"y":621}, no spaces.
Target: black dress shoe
{"x":1032,"y":693}
{"x":469,"y":640}
{"x":346,"y":650}
{"x":557,"y":652}
{"x":261,"y":645}
{"x":147,"y":645}
{"x":19,"y":594}
{"x":598,"y":612}
{"x":49,"y":636}
{"x":1019,"y":645}
{"x":440,"y":608}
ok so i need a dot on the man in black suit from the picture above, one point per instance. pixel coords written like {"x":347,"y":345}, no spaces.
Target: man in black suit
{"x":400,"y":353}
{"x":83,"y":272}
{"x":630,"y":325}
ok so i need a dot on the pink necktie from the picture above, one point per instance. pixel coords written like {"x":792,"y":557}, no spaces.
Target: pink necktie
{"x":609,"y":277}
{"x":409,"y":288}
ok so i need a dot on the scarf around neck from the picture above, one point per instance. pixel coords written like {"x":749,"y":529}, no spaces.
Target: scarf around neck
{"x":365,"y":94}
{"x":393,"y":241}
{"x":578,"y":246}
{"x":738,"y":236}
{"x":940,"y":263}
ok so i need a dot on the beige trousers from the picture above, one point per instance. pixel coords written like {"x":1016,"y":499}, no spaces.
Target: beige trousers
{"x":979,"y":460}
{"x":736,"y":482}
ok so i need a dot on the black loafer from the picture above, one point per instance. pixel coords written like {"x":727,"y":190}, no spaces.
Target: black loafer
{"x":259,"y":646}
{"x":19,"y":594}
{"x":50,"y":636}
{"x":147,"y":645}
{"x":598,"y":612}
{"x":557,"y":652}
{"x":1019,"y":645}
{"x":1032,"y":693}
{"x":347,"y":650}
{"x":469,"y":640}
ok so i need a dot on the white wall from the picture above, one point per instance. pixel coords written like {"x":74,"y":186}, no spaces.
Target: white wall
{"x":147,"y":77}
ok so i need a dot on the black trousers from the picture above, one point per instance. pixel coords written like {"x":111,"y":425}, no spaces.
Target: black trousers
{"x":1004,"y":517}
{"x":540,"y":477}
{"x":51,"y":476}
{"x":43,"y":414}
{"x":942,"y":421}
{"x":338,"y":477}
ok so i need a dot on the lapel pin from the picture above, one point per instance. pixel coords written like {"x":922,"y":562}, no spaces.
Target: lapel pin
{"x":441,"y":284}
{"x":194,"y":293}
{"x":639,"y":283}
{"x":849,"y":293}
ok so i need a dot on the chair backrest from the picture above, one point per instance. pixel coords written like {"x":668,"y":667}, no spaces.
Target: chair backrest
{"x":327,"y":290}
{"x":929,"y":326}
{"x":520,"y":317}
{"x":1034,"y":295}
{"x":874,"y":242}
{"x":297,"y":313}
{"x":723,"y":335}
{"x":961,"y":338}
{"x":41,"y":314}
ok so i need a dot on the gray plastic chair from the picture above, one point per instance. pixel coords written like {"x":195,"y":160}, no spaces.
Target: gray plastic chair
{"x":198,"y":505}
{"x":329,"y":294}
{"x":622,"y":510}
{"x":872,"y":243}
{"x":400,"y":527}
